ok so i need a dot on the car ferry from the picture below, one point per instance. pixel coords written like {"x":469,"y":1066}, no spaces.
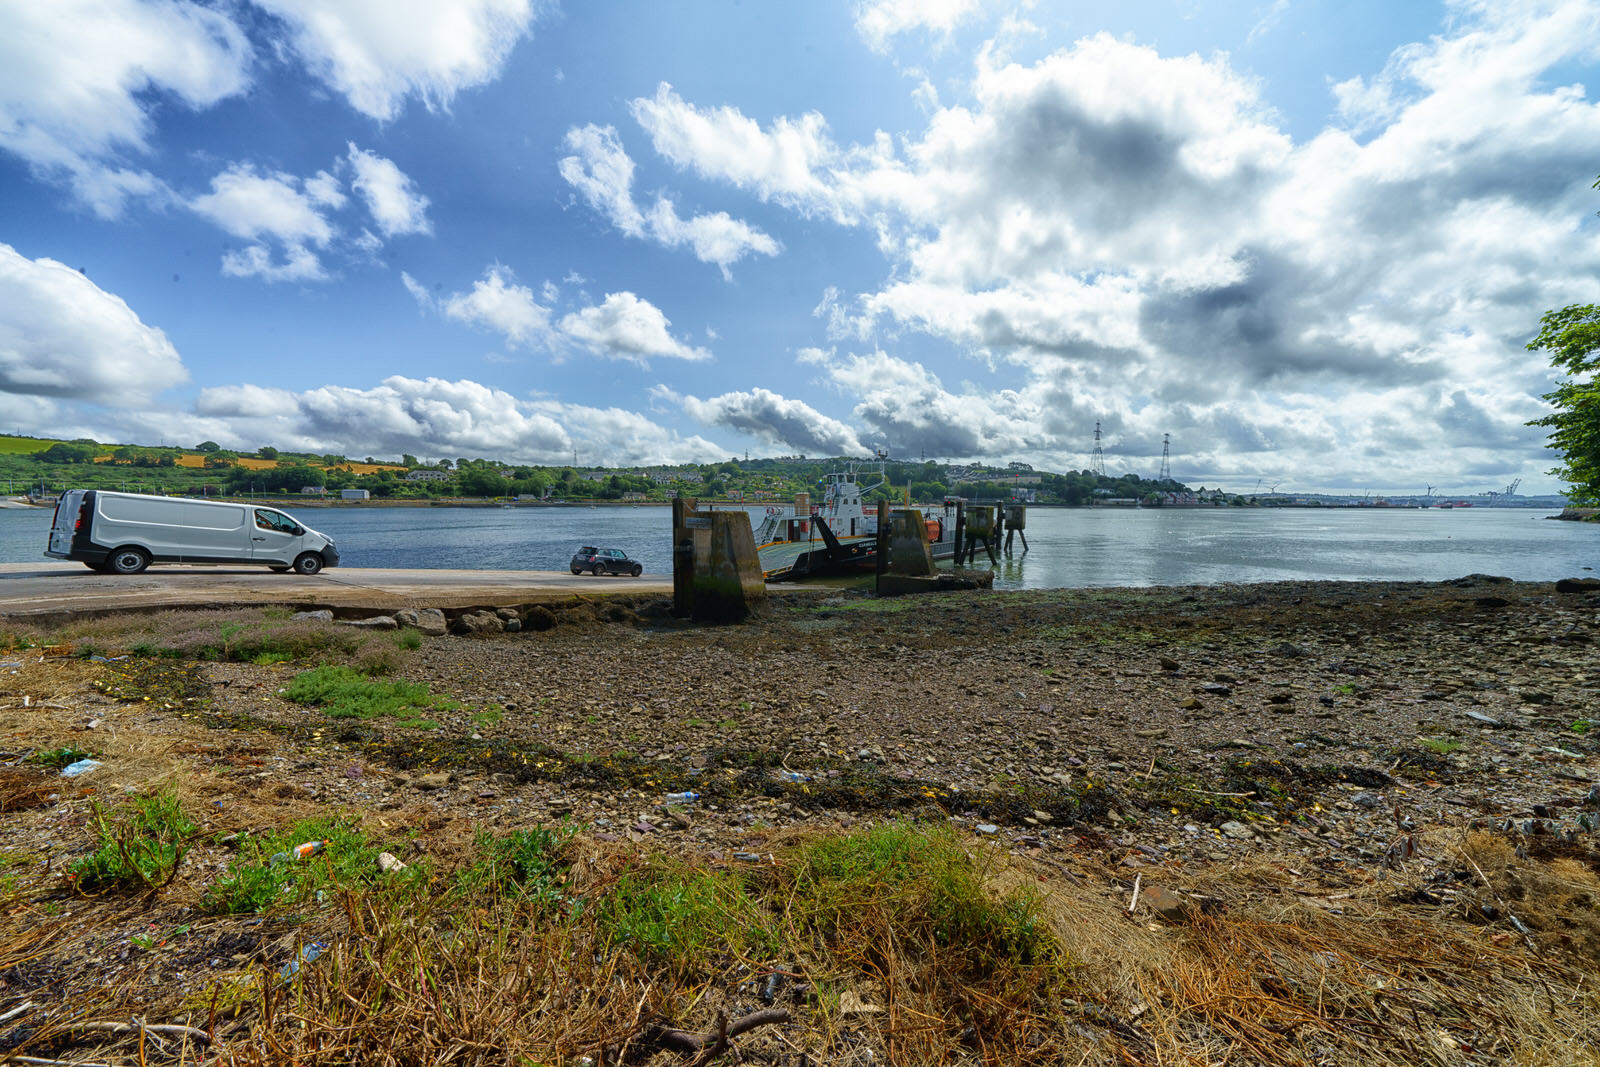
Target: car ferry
{"x":839,"y":534}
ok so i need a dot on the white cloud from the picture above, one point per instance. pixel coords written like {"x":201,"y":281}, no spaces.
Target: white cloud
{"x":63,"y":336}
{"x":498,"y":303}
{"x":626,"y":327}
{"x":602,"y":173}
{"x":377,"y":53}
{"x":435,"y":416}
{"x":783,"y":421}
{"x":878,"y":21}
{"x":1115,"y":233}
{"x":396,"y":205}
{"x":290,"y":221}
{"x":277,"y":208}
{"x":787,"y":164}
{"x":79,"y":80}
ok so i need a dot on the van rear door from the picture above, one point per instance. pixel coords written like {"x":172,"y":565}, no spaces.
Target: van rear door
{"x":65,"y":522}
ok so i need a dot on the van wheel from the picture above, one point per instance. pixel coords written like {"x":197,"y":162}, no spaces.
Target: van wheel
{"x":308,"y":563}
{"x":128,"y":560}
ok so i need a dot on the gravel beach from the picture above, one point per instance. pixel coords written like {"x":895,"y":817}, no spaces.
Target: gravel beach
{"x":1338,"y":742}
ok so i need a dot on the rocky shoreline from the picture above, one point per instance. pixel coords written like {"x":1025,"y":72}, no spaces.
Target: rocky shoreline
{"x":1150,"y":742}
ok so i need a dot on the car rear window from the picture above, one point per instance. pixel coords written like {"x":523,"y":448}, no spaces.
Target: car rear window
{"x":589,"y":549}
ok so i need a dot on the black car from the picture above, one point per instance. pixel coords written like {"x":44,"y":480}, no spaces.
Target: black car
{"x":604,"y":561}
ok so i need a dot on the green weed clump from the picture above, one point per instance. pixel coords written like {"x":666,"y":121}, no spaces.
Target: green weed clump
{"x":682,"y":918}
{"x":347,"y":694}
{"x":59,"y":757}
{"x":529,"y":865}
{"x":923,"y":879}
{"x":139,"y":846}
{"x":267,"y":875}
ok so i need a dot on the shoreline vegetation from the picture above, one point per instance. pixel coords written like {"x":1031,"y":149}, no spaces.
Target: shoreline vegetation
{"x":1286,"y":823}
{"x":284,"y":478}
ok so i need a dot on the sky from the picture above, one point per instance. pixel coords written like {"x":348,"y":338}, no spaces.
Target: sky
{"x":1306,"y":240}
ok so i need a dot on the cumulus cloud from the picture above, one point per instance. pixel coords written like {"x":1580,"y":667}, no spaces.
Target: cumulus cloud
{"x":436,"y":416}
{"x":275,"y":207}
{"x":379,"y":53}
{"x":63,"y":336}
{"x":627,"y":327}
{"x":290,"y":221}
{"x":392,"y":198}
{"x":1137,"y":231}
{"x":80,"y":78}
{"x":498,"y":303}
{"x":761,"y":413}
{"x":602,"y":173}
{"x":879,"y":21}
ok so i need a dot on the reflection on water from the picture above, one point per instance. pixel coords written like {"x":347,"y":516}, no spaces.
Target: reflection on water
{"x":1069,"y":547}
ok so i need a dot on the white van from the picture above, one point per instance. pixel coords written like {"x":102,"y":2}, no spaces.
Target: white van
{"x":123,"y":533}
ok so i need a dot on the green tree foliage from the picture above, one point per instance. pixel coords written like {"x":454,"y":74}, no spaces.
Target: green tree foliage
{"x":69,"y":453}
{"x":1571,"y":335}
{"x":207,"y":446}
{"x":267,"y":452}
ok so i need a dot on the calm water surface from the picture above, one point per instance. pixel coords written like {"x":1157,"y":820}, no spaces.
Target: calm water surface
{"x":1069,"y":548}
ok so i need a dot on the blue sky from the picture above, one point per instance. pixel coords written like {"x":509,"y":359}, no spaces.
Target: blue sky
{"x":1307,"y":239}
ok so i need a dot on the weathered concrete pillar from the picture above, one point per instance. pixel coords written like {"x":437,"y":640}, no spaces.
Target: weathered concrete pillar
{"x":682,"y":557}
{"x":909,"y":551}
{"x":728,"y":585}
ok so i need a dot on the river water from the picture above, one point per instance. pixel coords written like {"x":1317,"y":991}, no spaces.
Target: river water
{"x":1068,"y":547}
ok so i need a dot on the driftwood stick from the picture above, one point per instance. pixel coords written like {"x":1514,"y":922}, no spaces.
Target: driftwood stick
{"x":687,"y":1041}
{"x":18,"y":1010}
{"x":717,"y":1047}
{"x":163,"y":1029}
{"x":40,"y":1062}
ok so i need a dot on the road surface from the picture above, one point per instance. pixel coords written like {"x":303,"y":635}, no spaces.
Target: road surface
{"x":53,"y":588}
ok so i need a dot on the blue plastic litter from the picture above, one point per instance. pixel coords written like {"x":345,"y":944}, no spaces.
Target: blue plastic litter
{"x":308,"y":954}
{"x":83,"y":766}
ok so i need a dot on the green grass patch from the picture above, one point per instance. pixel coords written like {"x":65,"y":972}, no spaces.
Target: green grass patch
{"x":1441,"y":745}
{"x":681,"y":918}
{"x":529,"y":865}
{"x":22,"y":446}
{"x":138,"y":846}
{"x":267,"y":875}
{"x":347,"y":694}
{"x":926,"y":878}
{"x":59,"y":757}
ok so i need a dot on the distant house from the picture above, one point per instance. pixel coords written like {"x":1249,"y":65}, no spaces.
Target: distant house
{"x":595,"y":476}
{"x":634,"y":496}
{"x":355,"y":494}
{"x":313,"y":490}
{"x":427,"y":476}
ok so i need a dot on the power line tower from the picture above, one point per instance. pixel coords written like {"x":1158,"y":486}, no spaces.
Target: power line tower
{"x":1166,"y":459}
{"x":1097,"y":459}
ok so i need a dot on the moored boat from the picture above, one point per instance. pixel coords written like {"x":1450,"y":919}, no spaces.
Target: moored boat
{"x":838,"y":535}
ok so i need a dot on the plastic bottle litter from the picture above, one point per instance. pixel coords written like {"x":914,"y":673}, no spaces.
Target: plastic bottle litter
{"x":793,"y":776}
{"x":83,"y":766}
{"x":300,"y":852}
{"x":681,"y":798}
